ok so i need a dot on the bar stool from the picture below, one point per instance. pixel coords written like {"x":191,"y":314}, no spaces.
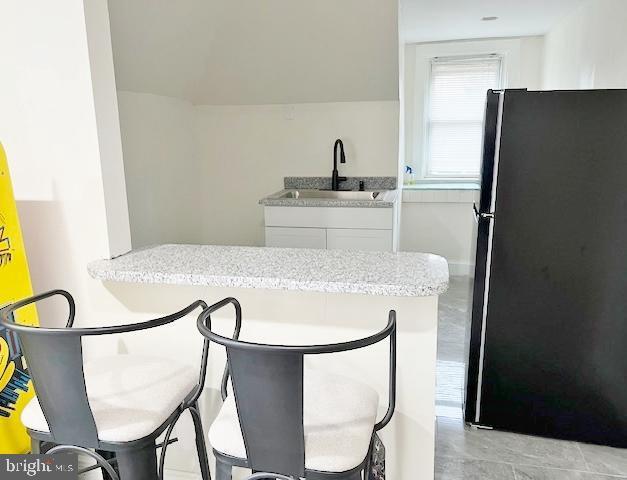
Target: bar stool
{"x":292,"y":421}
{"x":117,"y":405}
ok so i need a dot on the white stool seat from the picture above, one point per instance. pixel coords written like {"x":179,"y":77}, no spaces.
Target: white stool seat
{"x":130,"y":395}
{"x":339,"y":415}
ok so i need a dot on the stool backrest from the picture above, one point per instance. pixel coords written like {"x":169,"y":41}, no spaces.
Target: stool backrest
{"x":268,"y":389}
{"x":55,"y":364}
{"x":54,"y":358}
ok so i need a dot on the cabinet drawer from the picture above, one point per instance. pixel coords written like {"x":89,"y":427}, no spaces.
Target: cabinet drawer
{"x":359,"y":239}
{"x":330,"y":217}
{"x":296,"y":237}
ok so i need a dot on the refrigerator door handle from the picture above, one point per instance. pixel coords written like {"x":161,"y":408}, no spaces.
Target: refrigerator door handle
{"x":482,"y":216}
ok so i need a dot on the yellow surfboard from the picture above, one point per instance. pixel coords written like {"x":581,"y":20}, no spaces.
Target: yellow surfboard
{"x":16,"y":389}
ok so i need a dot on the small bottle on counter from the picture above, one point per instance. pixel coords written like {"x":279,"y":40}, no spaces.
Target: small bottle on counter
{"x":409,"y":177}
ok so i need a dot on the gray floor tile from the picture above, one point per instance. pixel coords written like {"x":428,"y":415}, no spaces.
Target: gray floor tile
{"x":605,"y":459}
{"x":451,"y":352}
{"x":465,"y":469}
{"x":454,"y":311}
{"x":455,"y":440}
{"x":537,"y":473}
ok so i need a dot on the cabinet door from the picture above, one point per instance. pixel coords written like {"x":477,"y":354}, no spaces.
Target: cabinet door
{"x":359,"y":239}
{"x":296,"y":237}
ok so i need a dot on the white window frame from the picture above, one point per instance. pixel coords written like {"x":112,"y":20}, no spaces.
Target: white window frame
{"x":424,"y":176}
{"x":515,"y":53}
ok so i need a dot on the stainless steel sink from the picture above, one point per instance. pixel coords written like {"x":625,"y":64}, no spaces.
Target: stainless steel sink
{"x":330,"y":194}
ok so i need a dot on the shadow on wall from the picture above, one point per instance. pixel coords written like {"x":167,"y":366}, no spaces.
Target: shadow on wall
{"x":282,"y":307}
{"x":47,"y":256}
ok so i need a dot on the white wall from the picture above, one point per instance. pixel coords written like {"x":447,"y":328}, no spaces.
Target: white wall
{"x":400,"y":165}
{"x":246,"y":151}
{"x":441,"y":221}
{"x":55,"y":136}
{"x":162,"y":169}
{"x":108,"y":125}
{"x":587,"y":49}
{"x":195,"y":174}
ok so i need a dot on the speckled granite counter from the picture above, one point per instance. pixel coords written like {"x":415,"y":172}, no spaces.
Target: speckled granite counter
{"x":351,"y":183}
{"x":386,"y":199}
{"x":333,"y":271}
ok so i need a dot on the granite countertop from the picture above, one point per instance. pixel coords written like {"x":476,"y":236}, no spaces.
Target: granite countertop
{"x":386,"y":199}
{"x":333,"y":271}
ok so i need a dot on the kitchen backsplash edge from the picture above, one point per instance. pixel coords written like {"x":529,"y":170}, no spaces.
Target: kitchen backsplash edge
{"x":370,"y":183}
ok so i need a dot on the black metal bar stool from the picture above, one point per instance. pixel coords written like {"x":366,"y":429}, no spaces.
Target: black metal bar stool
{"x":117,"y":406}
{"x":292,"y":421}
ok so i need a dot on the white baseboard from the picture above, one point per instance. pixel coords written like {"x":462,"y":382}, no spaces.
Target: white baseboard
{"x":461,"y":269}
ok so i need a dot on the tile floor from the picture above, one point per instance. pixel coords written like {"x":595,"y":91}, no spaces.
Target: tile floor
{"x":464,"y":453}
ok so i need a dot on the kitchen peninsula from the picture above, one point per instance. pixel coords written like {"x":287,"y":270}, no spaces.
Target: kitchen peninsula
{"x":303,"y":296}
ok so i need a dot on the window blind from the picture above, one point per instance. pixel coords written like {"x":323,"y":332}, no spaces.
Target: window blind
{"x":457,"y":99}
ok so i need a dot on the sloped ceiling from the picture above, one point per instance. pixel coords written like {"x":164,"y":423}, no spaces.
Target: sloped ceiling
{"x":257,"y":51}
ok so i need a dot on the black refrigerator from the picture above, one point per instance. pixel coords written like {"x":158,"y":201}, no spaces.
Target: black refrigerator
{"x":547,"y":342}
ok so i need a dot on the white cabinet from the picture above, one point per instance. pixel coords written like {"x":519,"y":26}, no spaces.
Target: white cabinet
{"x":341,"y":228}
{"x":296,"y":237}
{"x":330,"y":217}
{"x":359,"y":239}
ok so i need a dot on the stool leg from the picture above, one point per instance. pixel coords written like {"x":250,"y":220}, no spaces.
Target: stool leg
{"x":108,"y":456}
{"x":200,"y":443}
{"x":35,"y":446}
{"x":223,"y":470}
{"x":138,"y":463}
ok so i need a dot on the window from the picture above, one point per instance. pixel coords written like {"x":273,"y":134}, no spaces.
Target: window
{"x":455,"y":112}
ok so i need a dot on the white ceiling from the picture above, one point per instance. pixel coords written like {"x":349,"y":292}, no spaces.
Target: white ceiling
{"x":438,"y":20}
{"x":257,"y":52}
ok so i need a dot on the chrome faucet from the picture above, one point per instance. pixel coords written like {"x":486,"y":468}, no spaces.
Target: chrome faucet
{"x":335,"y":178}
